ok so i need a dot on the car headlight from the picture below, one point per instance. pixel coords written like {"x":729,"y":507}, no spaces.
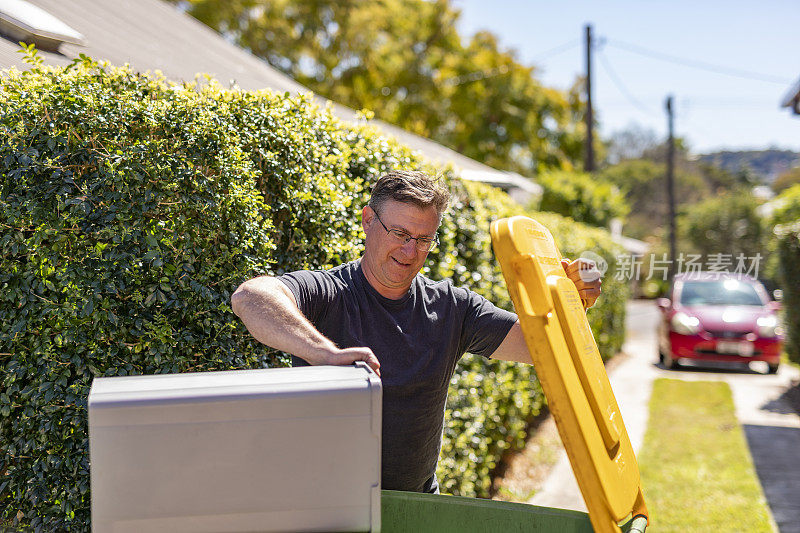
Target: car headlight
{"x":768,"y":326}
{"x":684,"y":324}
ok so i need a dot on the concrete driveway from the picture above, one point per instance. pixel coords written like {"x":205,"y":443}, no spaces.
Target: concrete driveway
{"x":771,"y":425}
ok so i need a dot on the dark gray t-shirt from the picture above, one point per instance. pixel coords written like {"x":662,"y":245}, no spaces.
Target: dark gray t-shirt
{"x":418,"y":340}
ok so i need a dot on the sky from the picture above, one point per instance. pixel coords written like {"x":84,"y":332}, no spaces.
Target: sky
{"x":728,"y":65}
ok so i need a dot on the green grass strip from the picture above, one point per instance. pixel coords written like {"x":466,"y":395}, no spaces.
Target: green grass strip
{"x":696,"y":468}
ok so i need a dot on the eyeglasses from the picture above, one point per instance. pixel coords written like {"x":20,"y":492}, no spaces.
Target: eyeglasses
{"x":424,"y":244}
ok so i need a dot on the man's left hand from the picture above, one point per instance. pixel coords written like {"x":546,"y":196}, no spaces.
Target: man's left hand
{"x":586,"y":277}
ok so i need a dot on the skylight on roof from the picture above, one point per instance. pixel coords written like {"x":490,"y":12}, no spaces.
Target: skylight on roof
{"x":22,"y":21}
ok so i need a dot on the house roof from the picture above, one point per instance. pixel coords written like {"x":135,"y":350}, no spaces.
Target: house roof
{"x":153,"y":35}
{"x":792,"y":98}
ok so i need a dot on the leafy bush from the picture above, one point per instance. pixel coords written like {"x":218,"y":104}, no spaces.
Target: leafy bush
{"x":789,"y":278}
{"x":787,"y":206}
{"x":786,"y":180}
{"x":726,"y":224}
{"x":643,"y":183}
{"x":783,"y":209}
{"x":581,"y":197}
{"x":131,"y":208}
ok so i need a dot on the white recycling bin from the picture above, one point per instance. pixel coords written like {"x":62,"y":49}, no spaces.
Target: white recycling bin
{"x":288,"y":449}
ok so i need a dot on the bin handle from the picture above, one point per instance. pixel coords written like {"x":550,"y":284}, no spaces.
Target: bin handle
{"x":640,"y":515}
{"x":638,"y":525}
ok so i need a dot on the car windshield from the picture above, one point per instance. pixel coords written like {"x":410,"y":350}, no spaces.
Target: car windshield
{"x":719,"y":292}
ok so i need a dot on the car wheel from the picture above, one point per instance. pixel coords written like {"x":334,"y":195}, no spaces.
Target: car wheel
{"x":772,"y":369}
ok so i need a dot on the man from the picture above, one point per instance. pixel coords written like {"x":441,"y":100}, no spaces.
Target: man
{"x":381,"y":310}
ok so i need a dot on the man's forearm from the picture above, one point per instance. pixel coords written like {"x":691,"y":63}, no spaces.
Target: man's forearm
{"x":272,"y":317}
{"x":270,"y":313}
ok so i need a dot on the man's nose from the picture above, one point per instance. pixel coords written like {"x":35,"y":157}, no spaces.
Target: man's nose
{"x":410,"y":248}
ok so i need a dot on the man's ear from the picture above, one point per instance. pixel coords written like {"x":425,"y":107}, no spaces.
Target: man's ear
{"x":367,"y":214}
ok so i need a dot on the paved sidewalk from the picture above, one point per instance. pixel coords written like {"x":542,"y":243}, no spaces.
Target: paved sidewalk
{"x":770,"y":424}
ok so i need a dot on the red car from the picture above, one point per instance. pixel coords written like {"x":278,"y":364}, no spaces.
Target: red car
{"x":719,"y":317}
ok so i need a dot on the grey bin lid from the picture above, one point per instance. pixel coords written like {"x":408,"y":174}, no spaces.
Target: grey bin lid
{"x":290,"y":449}
{"x":284,"y":393}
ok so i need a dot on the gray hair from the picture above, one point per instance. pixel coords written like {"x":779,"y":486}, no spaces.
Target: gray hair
{"x":409,"y":186}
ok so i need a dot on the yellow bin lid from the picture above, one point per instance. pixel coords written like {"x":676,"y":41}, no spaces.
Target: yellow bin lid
{"x":571,"y":371}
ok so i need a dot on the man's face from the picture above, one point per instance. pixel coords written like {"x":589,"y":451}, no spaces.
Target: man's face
{"x":388,"y":264}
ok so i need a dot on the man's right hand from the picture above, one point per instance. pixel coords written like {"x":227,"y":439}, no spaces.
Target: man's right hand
{"x":348,"y":356}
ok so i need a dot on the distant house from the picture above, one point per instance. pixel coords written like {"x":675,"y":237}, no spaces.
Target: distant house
{"x":792,"y":98}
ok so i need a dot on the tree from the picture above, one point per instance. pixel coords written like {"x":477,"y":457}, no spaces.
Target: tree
{"x":404,"y":60}
{"x":786,"y":206}
{"x":631,"y":143}
{"x":720,"y":180}
{"x":786,"y":180}
{"x":504,"y":116}
{"x":643,"y":183}
{"x":641,"y":174}
{"x":728,"y":224}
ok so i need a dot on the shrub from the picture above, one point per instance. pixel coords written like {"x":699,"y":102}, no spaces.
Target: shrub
{"x":128,"y":210}
{"x":582,"y":197}
{"x":789,"y":278}
{"x":726,"y":224}
{"x":784,"y":209}
{"x":787,"y":205}
{"x":131,"y":208}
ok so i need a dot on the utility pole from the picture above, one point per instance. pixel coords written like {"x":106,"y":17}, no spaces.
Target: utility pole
{"x":671,"y":189}
{"x":588,"y":164}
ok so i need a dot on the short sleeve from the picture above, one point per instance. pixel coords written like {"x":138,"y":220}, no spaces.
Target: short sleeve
{"x":313,"y":290}
{"x":485,"y":326}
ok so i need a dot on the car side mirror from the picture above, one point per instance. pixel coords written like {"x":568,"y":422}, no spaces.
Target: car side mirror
{"x":663,"y":303}
{"x":774,"y":306}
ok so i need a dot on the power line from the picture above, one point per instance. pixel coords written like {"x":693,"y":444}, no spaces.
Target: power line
{"x":552,"y":52}
{"x":503,"y":69}
{"x":756,"y":76}
{"x":715,"y":103}
{"x":621,"y":86}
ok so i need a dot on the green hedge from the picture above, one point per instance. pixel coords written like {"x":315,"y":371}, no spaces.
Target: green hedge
{"x":131,"y":208}
{"x":785,"y":222}
{"x":786,"y":206}
{"x":581,"y":197}
{"x":789,"y":279}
